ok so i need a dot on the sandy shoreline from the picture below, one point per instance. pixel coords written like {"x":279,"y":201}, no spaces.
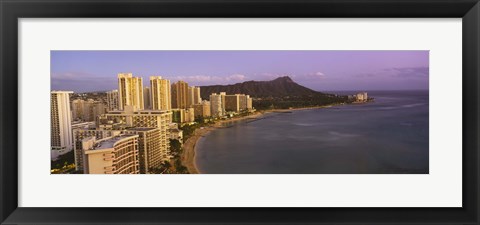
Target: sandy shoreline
{"x":189,"y":147}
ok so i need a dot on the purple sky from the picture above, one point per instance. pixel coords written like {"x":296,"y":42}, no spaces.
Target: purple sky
{"x":83,"y":71}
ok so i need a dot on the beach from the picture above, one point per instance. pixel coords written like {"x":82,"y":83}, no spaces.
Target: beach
{"x":188,"y":155}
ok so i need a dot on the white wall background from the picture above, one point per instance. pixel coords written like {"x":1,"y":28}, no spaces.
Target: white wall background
{"x":441,"y":188}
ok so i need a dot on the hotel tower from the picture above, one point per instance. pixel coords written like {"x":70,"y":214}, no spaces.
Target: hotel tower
{"x":130,"y":91}
{"x":61,"y":123}
{"x":180,"y":95}
{"x":160,"y":93}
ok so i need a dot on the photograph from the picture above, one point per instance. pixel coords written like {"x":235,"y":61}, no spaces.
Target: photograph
{"x":239,"y":111}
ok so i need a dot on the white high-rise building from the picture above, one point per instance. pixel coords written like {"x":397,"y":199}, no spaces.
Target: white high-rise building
{"x":112,"y":155}
{"x":160,"y":96}
{"x":61,"y":123}
{"x":130,"y":91}
{"x":143,"y":118}
{"x":217,"y":104}
{"x":193,"y":96}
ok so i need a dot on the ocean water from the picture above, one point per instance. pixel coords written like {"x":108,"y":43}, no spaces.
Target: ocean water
{"x":387,"y":136}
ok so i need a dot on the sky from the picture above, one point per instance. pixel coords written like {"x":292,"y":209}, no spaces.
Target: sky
{"x":86,"y":71}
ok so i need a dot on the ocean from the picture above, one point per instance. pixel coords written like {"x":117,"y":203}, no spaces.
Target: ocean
{"x":387,"y":136}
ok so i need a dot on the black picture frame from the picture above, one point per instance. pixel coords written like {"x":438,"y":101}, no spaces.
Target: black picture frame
{"x":12,"y":10}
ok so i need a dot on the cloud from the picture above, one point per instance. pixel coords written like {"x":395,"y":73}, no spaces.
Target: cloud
{"x":208,"y":79}
{"x":313,"y":76}
{"x":236,"y":77}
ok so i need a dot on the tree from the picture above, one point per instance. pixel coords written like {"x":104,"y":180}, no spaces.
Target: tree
{"x":175,"y":147}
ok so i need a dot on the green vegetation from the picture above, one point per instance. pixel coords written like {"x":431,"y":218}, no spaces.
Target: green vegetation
{"x":179,"y":168}
{"x":64,"y":164}
{"x":164,"y":168}
{"x":189,"y":129}
{"x":175,"y":147}
{"x":167,"y":167}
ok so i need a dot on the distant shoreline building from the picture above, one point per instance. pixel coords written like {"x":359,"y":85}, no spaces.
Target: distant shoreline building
{"x":202,"y":109}
{"x":223,"y":103}
{"x":217,"y":103}
{"x":361,"y":97}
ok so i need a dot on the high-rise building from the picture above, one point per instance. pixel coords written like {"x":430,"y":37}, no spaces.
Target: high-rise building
{"x":130,"y":91}
{"x":178,"y":115}
{"x":151,"y":152}
{"x":146,"y":98}
{"x":361,"y":97}
{"x":217,"y":103}
{"x":180,"y":95}
{"x":79,"y":134}
{"x":193,"y":96}
{"x":141,"y":118}
{"x":232,"y":103}
{"x":242,"y":102}
{"x":202,"y":109}
{"x":189,"y":115}
{"x":112,"y":155}
{"x":245,"y":102}
{"x":249,"y":102}
{"x":112,"y":100}
{"x":61,"y":123}
{"x":196,"y":95}
{"x":87,"y":110}
{"x":77,"y":109}
{"x":161,"y":97}
{"x":190,"y":96}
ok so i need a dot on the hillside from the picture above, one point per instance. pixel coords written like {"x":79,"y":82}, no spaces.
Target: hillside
{"x":280,"y":87}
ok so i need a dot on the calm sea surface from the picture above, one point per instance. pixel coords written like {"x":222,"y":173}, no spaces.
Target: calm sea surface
{"x":389,"y":135}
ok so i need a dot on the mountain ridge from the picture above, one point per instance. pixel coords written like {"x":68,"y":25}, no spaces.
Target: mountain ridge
{"x":279,"y":87}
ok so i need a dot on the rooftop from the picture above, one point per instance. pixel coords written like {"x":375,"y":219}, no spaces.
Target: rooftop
{"x":109,"y":142}
{"x":142,"y":128}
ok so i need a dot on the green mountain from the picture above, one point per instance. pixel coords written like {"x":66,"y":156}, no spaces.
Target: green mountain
{"x":279,"y":87}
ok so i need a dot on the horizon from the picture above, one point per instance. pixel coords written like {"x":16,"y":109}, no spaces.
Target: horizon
{"x":326,"y":91}
{"x":323,"y":71}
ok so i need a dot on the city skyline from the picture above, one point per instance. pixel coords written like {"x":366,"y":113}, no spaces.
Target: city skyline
{"x":153,"y":124}
{"x":318,"y":70}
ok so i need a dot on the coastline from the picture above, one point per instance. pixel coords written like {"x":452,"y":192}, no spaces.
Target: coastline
{"x":190,"y":145}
